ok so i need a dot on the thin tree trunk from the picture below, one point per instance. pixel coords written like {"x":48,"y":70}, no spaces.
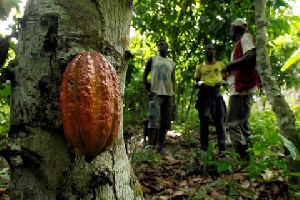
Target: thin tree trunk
{"x":190,"y":102}
{"x":43,"y":164}
{"x":285,"y":116}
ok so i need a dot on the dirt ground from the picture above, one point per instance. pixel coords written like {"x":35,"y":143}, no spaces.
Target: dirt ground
{"x":182,"y":175}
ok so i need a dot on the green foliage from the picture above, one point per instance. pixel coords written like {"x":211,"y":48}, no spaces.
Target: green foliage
{"x":147,"y":155}
{"x":136,"y":97}
{"x":268,"y":144}
{"x":290,"y":147}
{"x":4,"y":127}
{"x":4,"y":175}
{"x":282,"y":47}
{"x":265,"y":133}
{"x":5,"y":89}
{"x":291,"y":60}
{"x":189,"y":138}
{"x":207,"y":156}
{"x":266,"y":155}
{"x":192,"y":122}
{"x":6,"y":6}
{"x":189,"y":25}
{"x":4,"y":110}
{"x":296,"y":110}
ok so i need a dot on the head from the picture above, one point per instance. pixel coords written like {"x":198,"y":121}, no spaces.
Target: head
{"x":162,"y":47}
{"x":237,"y":29}
{"x":210,"y":52}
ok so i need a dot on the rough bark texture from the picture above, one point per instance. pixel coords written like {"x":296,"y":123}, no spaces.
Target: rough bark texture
{"x":285,"y":116}
{"x":43,"y":164}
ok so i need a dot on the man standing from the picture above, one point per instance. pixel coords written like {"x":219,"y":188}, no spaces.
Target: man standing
{"x":161,"y":92}
{"x":242,"y":79}
{"x":209,"y":100}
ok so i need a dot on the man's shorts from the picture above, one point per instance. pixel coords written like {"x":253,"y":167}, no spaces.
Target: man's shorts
{"x":160,"y":112}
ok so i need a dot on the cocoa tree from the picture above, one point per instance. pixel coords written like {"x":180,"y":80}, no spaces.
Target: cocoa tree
{"x":284,"y":115}
{"x":43,"y":164}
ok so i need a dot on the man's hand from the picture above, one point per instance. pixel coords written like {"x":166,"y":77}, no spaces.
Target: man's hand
{"x":222,"y":83}
{"x":198,"y":84}
{"x":227,"y":69}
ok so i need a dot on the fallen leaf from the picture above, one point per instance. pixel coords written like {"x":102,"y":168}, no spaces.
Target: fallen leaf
{"x":168,"y":183}
{"x":246,"y":184}
{"x":183,"y":184}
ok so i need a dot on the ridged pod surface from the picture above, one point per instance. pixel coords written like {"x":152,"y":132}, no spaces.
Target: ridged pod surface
{"x":90,"y":104}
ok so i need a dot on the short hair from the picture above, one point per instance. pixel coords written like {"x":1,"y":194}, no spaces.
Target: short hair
{"x":209,"y":44}
{"x":161,"y":40}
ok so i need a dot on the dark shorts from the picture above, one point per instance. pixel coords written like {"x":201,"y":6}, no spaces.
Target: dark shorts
{"x":160,"y":112}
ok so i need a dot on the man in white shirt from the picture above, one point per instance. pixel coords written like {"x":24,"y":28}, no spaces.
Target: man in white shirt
{"x":161,"y":89}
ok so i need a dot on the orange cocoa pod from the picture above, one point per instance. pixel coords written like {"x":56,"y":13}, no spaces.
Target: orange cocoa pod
{"x":90,"y":104}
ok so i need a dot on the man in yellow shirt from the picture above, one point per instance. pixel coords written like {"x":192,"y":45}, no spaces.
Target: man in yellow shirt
{"x":208,"y":78}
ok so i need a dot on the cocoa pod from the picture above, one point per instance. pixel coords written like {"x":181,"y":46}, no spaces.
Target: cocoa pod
{"x":90,"y":104}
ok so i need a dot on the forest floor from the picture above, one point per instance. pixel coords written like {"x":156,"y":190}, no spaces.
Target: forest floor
{"x":181,"y":175}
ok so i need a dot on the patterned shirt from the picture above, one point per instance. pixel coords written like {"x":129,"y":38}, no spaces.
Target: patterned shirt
{"x":161,"y":76}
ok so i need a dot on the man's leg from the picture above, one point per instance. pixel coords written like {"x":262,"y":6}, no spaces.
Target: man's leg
{"x":165,"y":122}
{"x":204,"y":122}
{"x":146,"y":132}
{"x":218,"y":115}
{"x":161,"y":141}
{"x":153,"y":134}
{"x":237,"y":123}
{"x":204,"y":125}
{"x":247,"y":101}
{"x":152,"y":121}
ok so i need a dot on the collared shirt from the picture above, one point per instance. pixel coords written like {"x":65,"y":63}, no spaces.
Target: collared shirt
{"x":210,"y":73}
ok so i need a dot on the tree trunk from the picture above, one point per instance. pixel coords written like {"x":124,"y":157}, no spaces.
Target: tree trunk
{"x":43,"y":164}
{"x":285,"y":116}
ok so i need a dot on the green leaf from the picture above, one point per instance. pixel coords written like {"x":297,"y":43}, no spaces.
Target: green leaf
{"x":296,"y":187}
{"x":290,"y":146}
{"x":295,"y":174}
{"x":291,"y":60}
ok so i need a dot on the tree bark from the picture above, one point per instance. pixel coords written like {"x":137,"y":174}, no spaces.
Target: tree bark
{"x":284,"y":115}
{"x":43,"y":164}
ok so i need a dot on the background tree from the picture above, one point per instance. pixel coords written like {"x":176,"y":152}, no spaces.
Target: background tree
{"x":285,"y":116}
{"x":6,"y":6}
{"x":43,"y":165}
{"x":189,"y":25}
{"x":136,"y":98}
